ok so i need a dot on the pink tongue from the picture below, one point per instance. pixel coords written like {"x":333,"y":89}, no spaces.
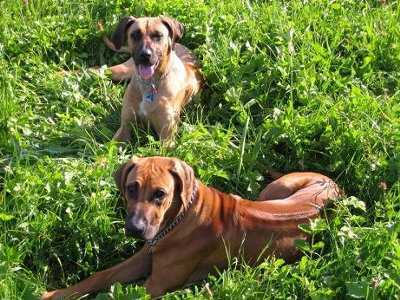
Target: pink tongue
{"x":146,"y":72}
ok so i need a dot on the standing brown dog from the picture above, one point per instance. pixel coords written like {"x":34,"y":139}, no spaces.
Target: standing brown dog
{"x":189,"y":227}
{"x":163,"y":74}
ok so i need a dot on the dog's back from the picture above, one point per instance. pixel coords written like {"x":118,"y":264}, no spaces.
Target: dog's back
{"x":185,"y":55}
{"x":191,"y":65}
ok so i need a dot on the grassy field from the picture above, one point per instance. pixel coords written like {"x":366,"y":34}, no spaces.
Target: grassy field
{"x":299,"y":85}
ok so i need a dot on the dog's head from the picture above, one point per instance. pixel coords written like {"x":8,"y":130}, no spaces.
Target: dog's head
{"x":156,"y":189}
{"x":150,"y":41}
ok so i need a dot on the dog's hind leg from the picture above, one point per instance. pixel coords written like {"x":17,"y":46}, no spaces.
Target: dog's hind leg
{"x":289,"y":184}
{"x":275,"y":190}
{"x":285,"y":186}
{"x":124,"y":71}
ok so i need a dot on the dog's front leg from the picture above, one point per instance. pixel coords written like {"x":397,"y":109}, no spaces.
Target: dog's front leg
{"x":171,"y":276}
{"x":128,"y":114}
{"x":157,"y":286}
{"x":165,"y":121}
{"x":134,"y":268}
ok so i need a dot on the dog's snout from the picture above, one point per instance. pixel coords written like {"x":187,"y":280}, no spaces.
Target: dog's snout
{"x":145,"y":53}
{"x":135,"y":226}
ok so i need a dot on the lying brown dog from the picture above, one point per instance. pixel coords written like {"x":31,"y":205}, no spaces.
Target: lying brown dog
{"x":163,"y":74}
{"x":189,"y":228}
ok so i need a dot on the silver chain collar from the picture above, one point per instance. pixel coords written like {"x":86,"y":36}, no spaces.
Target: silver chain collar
{"x":160,"y":235}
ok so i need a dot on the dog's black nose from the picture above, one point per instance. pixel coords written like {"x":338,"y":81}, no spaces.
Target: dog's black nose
{"x":145,"y":54}
{"x":133,"y":229}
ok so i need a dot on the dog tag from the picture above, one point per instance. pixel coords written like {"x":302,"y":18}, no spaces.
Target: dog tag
{"x":150,"y":95}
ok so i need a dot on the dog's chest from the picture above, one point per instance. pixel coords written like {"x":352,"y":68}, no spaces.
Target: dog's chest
{"x":144,"y":109}
{"x":156,"y":99}
{"x":158,"y":94}
{"x":148,"y":101}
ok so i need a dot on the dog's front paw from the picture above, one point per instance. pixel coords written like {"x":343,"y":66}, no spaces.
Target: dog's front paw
{"x":53,"y":295}
{"x":122,"y":135}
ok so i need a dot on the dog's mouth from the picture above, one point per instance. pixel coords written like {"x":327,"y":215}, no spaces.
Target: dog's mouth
{"x":146,"y":72}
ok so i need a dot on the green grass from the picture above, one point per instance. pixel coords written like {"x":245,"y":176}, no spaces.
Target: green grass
{"x":299,"y":85}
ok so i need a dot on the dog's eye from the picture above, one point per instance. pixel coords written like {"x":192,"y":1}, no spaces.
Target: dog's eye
{"x":158,"y":196}
{"x":132,"y":190}
{"x":156,"y":36}
{"x":136,"y":35}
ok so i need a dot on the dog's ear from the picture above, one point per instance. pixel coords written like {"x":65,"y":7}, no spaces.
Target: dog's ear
{"x":175,"y":28}
{"x":119,"y":35}
{"x":184,"y":179}
{"x":121,"y":174}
